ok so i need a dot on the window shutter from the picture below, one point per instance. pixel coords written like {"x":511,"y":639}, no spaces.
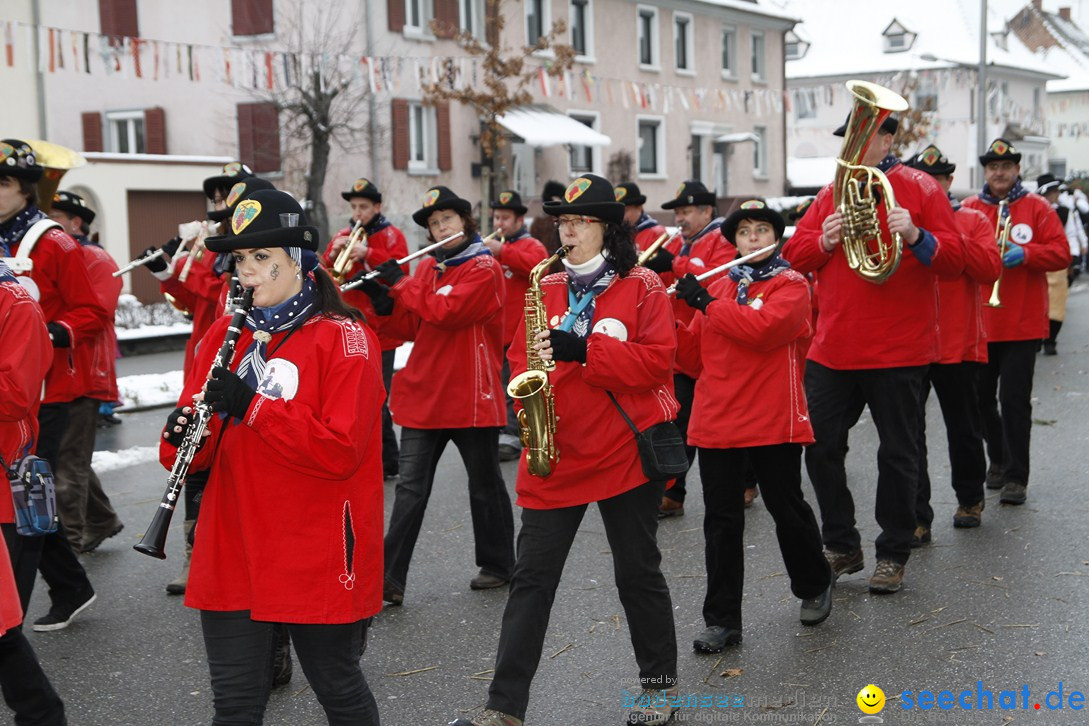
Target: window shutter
{"x":155,"y":131}
{"x":252,"y":17}
{"x":246,"y":149}
{"x":442,"y":124}
{"x":118,"y":18}
{"x":395,"y":9}
{"x":399,"y":108}
{"x":447,"y":22}
{"x":92,"y":131}
{"x":259,"y":136}
{"x":491,"y":27}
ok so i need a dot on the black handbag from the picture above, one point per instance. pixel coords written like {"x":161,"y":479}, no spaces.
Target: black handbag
{"x":661,"y":448}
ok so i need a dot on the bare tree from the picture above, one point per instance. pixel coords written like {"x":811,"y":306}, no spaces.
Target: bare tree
{"x":914,"y":123}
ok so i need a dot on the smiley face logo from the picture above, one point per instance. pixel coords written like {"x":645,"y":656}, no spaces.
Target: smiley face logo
{"x":431,"y":197}
{"x":576,"y":189}
{"x":246,"y":211}
{"x":236,"y":191}
{"x":871,"y":699}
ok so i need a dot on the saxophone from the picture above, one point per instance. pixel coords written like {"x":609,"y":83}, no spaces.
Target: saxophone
{"x":538,"y":415}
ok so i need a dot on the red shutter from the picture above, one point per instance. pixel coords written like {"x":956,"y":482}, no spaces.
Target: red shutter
{"x":442,"y":122}
{"x":395,"y":9}
{"x":118,"y":18}
{"x":92,"y":131}
{"x":246,"y":149}
{"x":155,"y":131}
{"x":259,"y":136}
{"x":399,"y":125}
{"x":252,"y":17}
{"x":447,"y":22}
{"x":491,"y":22}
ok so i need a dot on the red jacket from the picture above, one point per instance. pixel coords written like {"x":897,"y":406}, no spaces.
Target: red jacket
{"x":451,"y":380}
{"x":68,"y":298}
{"x":894,"y":324}
{"x":707,"y":252}
{"x":98,"y":361}
{"x":630,"y":352}
{"x":387,"y":243}
{"x":751,"y":363}
{"x":200,"y":294}
{"x":1023,"y":290}
{"x":295,"y":482}
{"x":960,"y":305}
{"x":517,"y":256}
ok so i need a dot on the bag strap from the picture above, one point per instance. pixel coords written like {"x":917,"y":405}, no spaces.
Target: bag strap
{"x":39,"y":228}
{"x":12,"y":474}
{"x":622,"y":413}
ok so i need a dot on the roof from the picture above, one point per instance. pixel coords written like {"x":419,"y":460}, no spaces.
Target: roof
{"x":766,"y":8}
{"x":1069,"y":55}
{"x":808,"y":173}
{"x":544,"y":126}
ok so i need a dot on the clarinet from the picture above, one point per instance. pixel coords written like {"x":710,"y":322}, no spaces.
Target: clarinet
{"x":153,"y":542}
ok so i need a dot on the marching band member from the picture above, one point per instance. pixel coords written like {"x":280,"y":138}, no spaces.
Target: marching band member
{"x":1037,"y":245}
{"x":383,"y":241}
{"x":617,"y":336}
{"x":450,"y":389}
{"x":542,"y":227}
{"x":962,"y":355}
{"x":746,"y":342}
{"x":647,"y":231}
{"x":291,"y":523}
{"x":1058,"y":281}
{"x":518,"y":252}
{"x":872,"y":346}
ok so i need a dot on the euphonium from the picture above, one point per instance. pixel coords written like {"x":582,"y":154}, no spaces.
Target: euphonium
{"x":343,"y":262}
{"x":56,"y":160}
{"x":538,"y":415}
{"x":1002,"y":235}
{"x":873,"y":257}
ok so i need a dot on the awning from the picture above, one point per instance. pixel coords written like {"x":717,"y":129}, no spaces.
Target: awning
{"x":545,"y":127}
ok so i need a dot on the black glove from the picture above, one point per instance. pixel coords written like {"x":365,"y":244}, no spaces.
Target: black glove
{"x":692,"y":292}
{"x":661,"y":262}
{"x":390,"y":272}
{"x":175,"y":438}
{"x":171,"y":247}
{"x":156,"y":265}
{"x":379,"y":295}
{"x":228,"y":393}
{"x":567,"y":346}
{"x":59,"y":335}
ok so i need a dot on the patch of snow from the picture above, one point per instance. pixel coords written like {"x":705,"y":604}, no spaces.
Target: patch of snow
{"x":154,"y":331}
{"x":104,"y":461}
{"x":150,"y":389}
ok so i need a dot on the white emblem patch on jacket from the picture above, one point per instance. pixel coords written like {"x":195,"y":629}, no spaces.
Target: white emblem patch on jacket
{"x":281,"y":380}
{"x":1021,"y":233}
{"x":445,"y":290}
{"x":612,"y":328}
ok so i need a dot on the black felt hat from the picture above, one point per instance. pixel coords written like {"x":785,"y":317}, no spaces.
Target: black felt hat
{"x":691,"y":193}
{"x":589,"y":195}
{"x":752,"y":209}
{"x":73,"y":204}
{"x":1000,"y":150}
{"x":629,"y":195}
{"x":437,"y":199}
{"x":552,"y":190}
{"x":932,"y":161}
{"x":1044,"y":183}
{"x":238,"y":192}
{"x":889,"y":125}
{"x":364,"y":188}
{"x":233,"y":172}
{"x":266,"y":218}
{"x":18,"y":159}
{"x":509,"y":200}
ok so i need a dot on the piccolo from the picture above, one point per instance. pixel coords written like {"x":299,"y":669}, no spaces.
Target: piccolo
{"x":649,"y":252}
{"x":418,"y":253}
{"x":141,"y":261}
{"x":722,"y":268}
{"x":197,"y":252}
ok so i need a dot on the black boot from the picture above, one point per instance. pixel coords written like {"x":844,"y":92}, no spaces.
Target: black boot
{"x":1054,"y":326}
{"x":281,"y":656}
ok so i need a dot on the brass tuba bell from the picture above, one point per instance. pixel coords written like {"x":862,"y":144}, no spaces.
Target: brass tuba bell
{"x":57,"y":160}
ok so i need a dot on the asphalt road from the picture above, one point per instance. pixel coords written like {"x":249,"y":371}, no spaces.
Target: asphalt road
{"x":1003,"y":605}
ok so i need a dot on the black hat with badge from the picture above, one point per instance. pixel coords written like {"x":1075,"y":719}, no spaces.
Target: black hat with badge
{"x":437,"y":199}
{"x":73,"y":204}
{"x":364,"y":188}
{"x":266,"y":218}
{"x":889,"y":125}
{"x":752,"y":209}
{"x":589,"y":195}
{"x":1000,"y":150}
{"x":1045,"y":183}
{"x":238,"y":192}
{"x":232,"y":172}
{"x":509,"y":200}
{"x":932,"y":161}
{"x":691,"y":193}
{"x":18,"y":159}
{"x":629,"y":195}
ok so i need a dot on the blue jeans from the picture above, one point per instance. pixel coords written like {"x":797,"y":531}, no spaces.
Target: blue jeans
{"x":240,"y":653}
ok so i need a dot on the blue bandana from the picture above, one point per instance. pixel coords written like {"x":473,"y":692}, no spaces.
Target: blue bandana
{"x":377,"y":224}
{"x":266,"y":322}
{"x":6,"y":275}
{"x":645,"y":222}
{"x":1016,"y":193}
{"x":686,"y":248}
{"x":475,"y":248}
{"x":582,"y":290}
{"x":744,"y":275}
{"x":954,"y":201}
{"x":887,"y":163}
{"x":13,"y":230}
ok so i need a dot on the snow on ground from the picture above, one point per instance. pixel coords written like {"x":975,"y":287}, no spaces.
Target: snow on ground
{"x":104,"y":461}
{"x":154,"y":331}
{"x":150,"y":389}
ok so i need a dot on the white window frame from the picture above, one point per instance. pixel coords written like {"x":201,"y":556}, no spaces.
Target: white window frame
{"x":730,"y":52}
{"x":654,"y":40}
{"x":475,"y":24}
{"x":546,"y":19}
{"x":759,"y":62}
{"x":588,"y":31}
{"x":595,"y":151}
{"x":760,"y":153}
{"x":429,"y":163}
{"x":126,"y":121}
{"x":689,"y":44}
{"x":422,"y":30}
{"x":659,"y":141}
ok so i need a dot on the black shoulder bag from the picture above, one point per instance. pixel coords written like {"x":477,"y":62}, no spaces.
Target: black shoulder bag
{"x":661,"y":447}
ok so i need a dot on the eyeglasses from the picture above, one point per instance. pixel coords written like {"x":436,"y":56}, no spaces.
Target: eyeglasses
{"x":576,"y":224}
{"x":438,"y":221}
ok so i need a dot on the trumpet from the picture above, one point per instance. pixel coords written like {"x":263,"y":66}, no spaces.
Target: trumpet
{"x":343,"y":262}
{"x":672,"y":290}
{"x":502,"y":237}
{"x":1002,"y":235}
{"x":646,"y":255}
{"x":404,"y":260}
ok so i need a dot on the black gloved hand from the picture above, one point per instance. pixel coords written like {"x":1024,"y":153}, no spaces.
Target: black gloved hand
{"x":177,"y":423}
{"x":156,"y":265}
{"x":692,"y":292}
{"x":390,"y":272}
{"x":171,"y":247}
{"x":228,"y":393}
{"x":661,"y":262}
{"x":379,"y":295}
{"x":59,"y":335}
{"x":567,"y":346}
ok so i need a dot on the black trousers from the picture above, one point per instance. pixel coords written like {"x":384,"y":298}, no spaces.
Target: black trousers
{"x":779,"y":469}
{"x":836,"y":399}
{"x":390,"y":453}
{"x":26,"y":688}
{"x":957,"y":388}
{"x":512,"y":428}
{"x":1007,"y":383}
{"x":489,"y":502}
{"x":240,"y":655}
{"x":684,"y":390}
{"x":631,"y":526}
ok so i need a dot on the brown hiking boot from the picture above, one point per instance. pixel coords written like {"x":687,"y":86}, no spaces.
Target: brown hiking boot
{"x":971,"y":516}
{"x":670,"y":508}
{"x":654,"y":706}
{"x":995,"y":478}
{"x":751,"y":493}
{"x":844,"y":563}
{"x":887,"y":577}
{"x":490,"y":717}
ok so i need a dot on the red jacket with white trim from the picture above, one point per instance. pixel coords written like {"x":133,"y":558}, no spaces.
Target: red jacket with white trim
{"x":960,"y":302}
{"x":517,"y":258}
{"x":98,"y":361}
{"x":706,"y":253}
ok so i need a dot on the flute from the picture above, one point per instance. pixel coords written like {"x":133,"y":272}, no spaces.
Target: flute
{"x":197,"y":252}
{"x":141,"y":261}
{"x":418,"y":253}
{"x":722,"y":268}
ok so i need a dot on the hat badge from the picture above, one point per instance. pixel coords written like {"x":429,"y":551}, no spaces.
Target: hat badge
{"x":246,"y":211}
{"x":621,"y":192}
{"x":505,"y":197}
{"x":753,"y":204}
{"x":576,"y":189}
{"x":1000,"y":147}
{"x":6,"y":152}
{"x":232,"y":169}
{"x":360,"y":185}
{"x":236,"y":191}
{"x":931,"y":156}
{"x":680,"y":190}
{"x":431,"y":197}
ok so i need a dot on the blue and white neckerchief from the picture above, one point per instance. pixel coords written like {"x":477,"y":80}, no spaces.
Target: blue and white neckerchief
{"x":584,"y":283}
{"x":1016,"y":193}
{"x":686,"y":248}
{"x":745,"y":275}
{"x":520,"y":234}
{"x":954,"y":202}
{"x":15,"y":228}
{"x":377,"y":224}
{"x":474,"y":249}
{"x":887,"y":163}
{"x":645,"y":222}
{"x":265,"y":322}
{"x":6,"y":275}
{"x":85,"y":241}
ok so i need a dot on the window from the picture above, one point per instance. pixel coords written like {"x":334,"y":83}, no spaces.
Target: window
{"x":251,"y":17}
{"x":795,"y":47}
{"x":259,"y":136}
{"x":422,"y":146}
{"x":125,"y":132}
{"x":729,"y":52}
{"x":696,"y":148}
{"x":584,"y":159}
{"x":538,"y":20}
{"x":926,"y":95}
{"x":1057,"y":168}
{"x":896,"y":41}
{"x":758,"y":63}
{"x":471,"y":17}
{"x":682,"y":41}
{"x":647,"y":19}
{"x":805,"y":104}
{"x":117,"y":18}
{"x":418,"y":15}
{"x":897,"y":38}
{"x":760,"y":152}
{"x":651,"y":147}
{"x":582,"y":28}
{"x":420,"y":136}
